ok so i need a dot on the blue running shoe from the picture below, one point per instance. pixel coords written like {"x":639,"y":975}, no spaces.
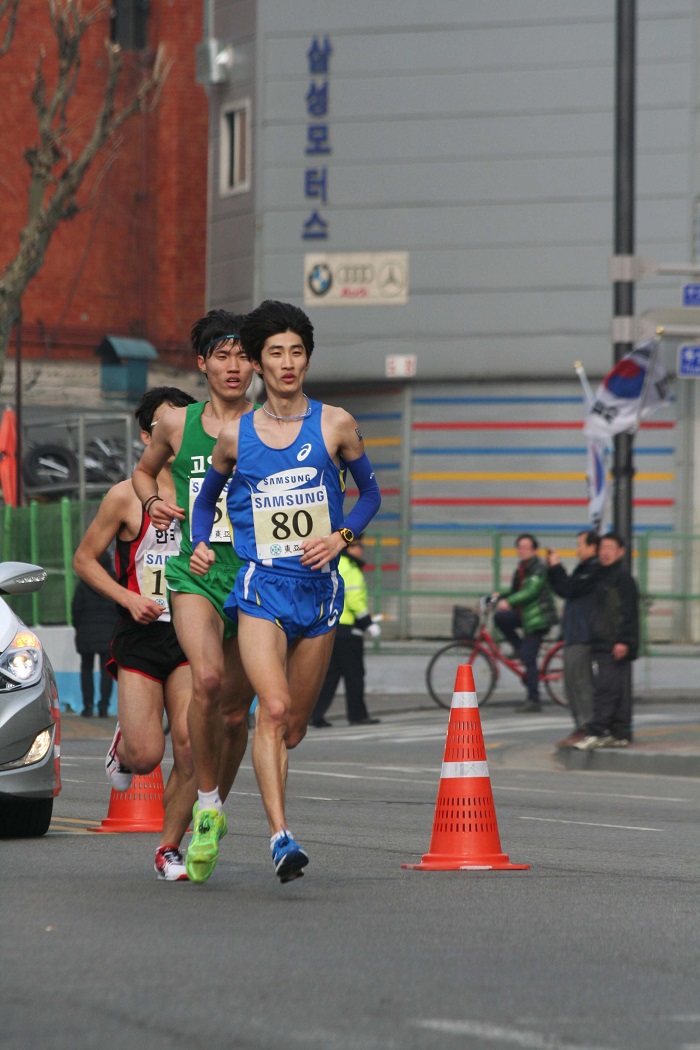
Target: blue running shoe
{"x":288,"y":857}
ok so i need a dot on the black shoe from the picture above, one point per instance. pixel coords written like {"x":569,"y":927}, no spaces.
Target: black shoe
{"x":103,"y":712}
{"x":321,"y":723}
{"x":529,"y":707}
{"x":86,"y":712}
{"x":366,"y":722}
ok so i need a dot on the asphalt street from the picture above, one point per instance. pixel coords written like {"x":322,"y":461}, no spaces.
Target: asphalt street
{"x":595,"y":946}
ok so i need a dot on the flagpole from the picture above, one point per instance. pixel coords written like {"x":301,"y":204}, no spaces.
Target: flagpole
{"x":623,"y":290}
{"x":587,"y":391}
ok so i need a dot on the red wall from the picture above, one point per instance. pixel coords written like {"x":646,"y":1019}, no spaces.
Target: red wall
{"x":132,"y":262}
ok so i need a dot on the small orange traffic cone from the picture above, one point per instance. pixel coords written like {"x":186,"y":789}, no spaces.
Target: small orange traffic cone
{"x":465,"y":830}
{"x":138,"y":809}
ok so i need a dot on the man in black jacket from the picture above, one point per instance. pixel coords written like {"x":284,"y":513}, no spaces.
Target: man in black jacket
{"x":614,"y":642}
{"x":94,"y":619}
{"x":577,"y":590}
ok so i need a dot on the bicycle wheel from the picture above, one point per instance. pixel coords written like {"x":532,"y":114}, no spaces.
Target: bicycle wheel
{"x":552,"y":674}
{"x":441,"y":672}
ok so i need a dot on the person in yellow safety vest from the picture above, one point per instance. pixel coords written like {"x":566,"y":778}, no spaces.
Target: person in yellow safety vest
{"x":347,"y":657}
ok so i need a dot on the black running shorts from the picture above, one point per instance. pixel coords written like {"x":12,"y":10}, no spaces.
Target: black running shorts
{"x":149,"y":649}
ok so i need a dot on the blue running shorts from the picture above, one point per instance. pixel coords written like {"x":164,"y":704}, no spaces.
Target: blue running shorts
{"x":303,"y":606}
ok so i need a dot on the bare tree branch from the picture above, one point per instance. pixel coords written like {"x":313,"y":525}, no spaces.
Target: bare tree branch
{"x":8,"y":19}
{"x":61,"y":159}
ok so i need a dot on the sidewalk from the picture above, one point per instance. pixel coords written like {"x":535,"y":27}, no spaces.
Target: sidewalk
{"x":396,"y":686}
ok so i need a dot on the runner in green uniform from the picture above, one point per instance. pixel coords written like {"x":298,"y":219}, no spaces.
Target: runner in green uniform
{"x":188,"y":470}
{"x":221,"y":693}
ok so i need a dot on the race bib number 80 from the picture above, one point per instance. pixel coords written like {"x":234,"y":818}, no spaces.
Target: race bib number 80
{"x":221,"y":530}
{"x":282,"y":520}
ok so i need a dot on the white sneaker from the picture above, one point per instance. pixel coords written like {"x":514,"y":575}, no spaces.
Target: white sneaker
{"x":117,"y":775}
{"x":169,"y":864}
{"x":591,"y":743}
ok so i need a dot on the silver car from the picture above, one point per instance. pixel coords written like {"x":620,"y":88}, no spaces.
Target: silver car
{"x":30,"y":718}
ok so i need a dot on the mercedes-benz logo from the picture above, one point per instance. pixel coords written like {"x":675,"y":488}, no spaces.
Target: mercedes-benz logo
{"x":391,"y":280}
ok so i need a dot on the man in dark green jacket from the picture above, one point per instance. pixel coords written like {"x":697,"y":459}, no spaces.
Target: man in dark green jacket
{"x":525,"y":613}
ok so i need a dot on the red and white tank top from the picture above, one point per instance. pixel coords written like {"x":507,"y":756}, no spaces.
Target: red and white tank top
{"x":140,"y":563}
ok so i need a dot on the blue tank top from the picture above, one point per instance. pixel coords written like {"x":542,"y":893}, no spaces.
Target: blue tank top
{"x":278,"y":497}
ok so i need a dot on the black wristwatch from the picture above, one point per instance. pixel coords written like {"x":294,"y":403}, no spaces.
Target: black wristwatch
{"x":348,"y":535}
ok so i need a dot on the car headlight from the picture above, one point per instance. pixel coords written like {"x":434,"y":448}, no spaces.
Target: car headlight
{"x":39,"y":749}
{"x":21,"y":661}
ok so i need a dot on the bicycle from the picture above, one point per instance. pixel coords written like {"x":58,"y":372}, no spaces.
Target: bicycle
{"x":474,"y":645}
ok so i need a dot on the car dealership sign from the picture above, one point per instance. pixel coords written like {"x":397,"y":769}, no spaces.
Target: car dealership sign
{"x":356,"y":279}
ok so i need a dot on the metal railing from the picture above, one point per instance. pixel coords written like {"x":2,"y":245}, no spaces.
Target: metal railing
{"x":441,"y":569}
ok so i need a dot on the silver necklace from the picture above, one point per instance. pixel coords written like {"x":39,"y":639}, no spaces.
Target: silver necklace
{"x":289,"y":419}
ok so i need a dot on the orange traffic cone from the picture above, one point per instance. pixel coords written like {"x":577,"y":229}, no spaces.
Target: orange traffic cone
{"x":465,"y":830}
{"x":138,"y":809}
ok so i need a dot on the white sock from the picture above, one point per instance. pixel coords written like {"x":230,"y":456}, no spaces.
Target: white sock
{"x":210,"y":800}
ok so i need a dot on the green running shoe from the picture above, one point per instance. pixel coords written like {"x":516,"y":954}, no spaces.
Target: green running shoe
{"x":203,"y":850}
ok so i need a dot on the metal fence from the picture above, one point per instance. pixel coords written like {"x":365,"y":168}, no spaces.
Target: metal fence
{"x":414,"y":579}
{"x":417,"y":588}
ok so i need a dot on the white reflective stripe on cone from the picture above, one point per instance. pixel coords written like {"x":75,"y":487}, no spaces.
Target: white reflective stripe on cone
{"x":464,"y":700}
{"x":451,"y":770}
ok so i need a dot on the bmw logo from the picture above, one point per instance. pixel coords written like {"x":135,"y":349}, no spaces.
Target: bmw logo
{"x":320,"y":279}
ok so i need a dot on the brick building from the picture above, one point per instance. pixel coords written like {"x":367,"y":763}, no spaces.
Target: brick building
{"x":132,"y":261}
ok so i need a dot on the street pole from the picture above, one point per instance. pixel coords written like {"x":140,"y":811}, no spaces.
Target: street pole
{"x":623,"y":290}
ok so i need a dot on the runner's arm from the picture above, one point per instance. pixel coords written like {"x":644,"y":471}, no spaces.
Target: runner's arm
{"x":154,"y":458}
{"x":98,"y":536}
{"x":223,"y":461}
{"x":370,"y":499}
{"x":350,"y":448}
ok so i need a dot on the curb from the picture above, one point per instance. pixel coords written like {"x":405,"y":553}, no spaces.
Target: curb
{"x":661,"y":763}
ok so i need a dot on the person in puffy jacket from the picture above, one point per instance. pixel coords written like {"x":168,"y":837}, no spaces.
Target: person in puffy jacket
{"x":525,"y":613}
{"x":347,"y":658}
{"x":577,"y":589}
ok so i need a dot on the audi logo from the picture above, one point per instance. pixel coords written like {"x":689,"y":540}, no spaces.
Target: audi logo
{"x":355,"y":274}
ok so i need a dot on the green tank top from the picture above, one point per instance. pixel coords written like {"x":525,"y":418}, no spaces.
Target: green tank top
{"x":188,"y":470}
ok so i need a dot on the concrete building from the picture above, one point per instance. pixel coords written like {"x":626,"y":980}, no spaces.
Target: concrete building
{"x":435,"y":184}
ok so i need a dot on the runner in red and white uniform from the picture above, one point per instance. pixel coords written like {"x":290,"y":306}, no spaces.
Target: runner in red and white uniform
{"x":151,"y":669}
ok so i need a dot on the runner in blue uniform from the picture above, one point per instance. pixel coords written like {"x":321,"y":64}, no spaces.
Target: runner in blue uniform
{"x":285,"y":503}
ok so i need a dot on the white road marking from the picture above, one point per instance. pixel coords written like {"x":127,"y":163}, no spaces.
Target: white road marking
{"x":360,"y":776}
{"x":593,"y":794}
{"x":499,"y":1034}
{"x":590,"y":824}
